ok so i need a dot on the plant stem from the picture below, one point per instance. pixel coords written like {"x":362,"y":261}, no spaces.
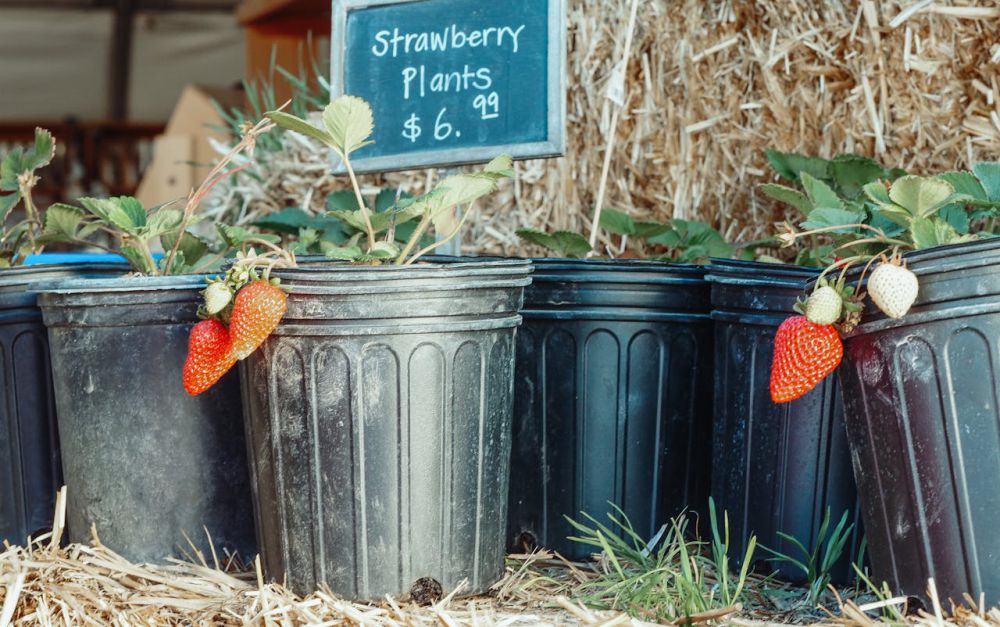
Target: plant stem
{"x":426,"y":249}
{"x":361,"y":202}
{"x":417,"y":234}
{"x":30,"y":212}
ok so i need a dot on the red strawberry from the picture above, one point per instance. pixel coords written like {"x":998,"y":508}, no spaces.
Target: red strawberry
{"x":804,"y":353}
{"x":209,"y":356}
{"x":257,"y":310}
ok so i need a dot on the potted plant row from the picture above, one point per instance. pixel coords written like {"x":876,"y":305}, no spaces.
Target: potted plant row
{"x":29,"y":442}
{"x":914,"y":298}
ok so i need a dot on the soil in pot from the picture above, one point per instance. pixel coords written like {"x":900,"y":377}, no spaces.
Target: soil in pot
{"x":776,"y":468}
{"x":29,"y":443}
{"x":923,"y":418}
{"x":145,"y":463}
{"x":378,"y":419}
{"x":612,"y":398}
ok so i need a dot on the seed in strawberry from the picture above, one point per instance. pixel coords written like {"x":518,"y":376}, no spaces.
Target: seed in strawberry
{"x":804,"y":353}
{"x":824,"y":305}
{"x":257,"y":310}
{"x":893,"y":289}
{"x":209,"y":356}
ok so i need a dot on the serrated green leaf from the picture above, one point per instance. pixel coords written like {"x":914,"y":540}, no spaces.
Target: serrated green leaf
{"x":386,"y":198}
{"x":964,"y":183}
{"x":300,"y":126}
{"x":617,"y":222}
{"x":788,"y":196}
{"x":826,"y":217}
{"x":124,"y":212}
{"x":10,"y":169}
{"x":349,"y":122}
{"x":790,"y":165}
{"x":7,"y":204}
{"x":236,"y":236}
{"x":852,"y":172}
{"x":921,"y":196}
{"x":42,"y":152}
{"x":670,"y":238}
{"x":384,"y":250}
{"x":820,"y":194}
{"x":163,"y":221}
{"x":877,"y":193}
{"x":988,"y":173}
{"x":648,"y":228}
{"x":62,"y":223}
{"x":957,"y":217}
{"x":931,"y":232}
{"x":342,"y":200}
{"x":192,"y":247}
{"x":349,"y":253}
{"x":140,"y":263}
{"x":502,"y":166}
{"x":562,"y":243}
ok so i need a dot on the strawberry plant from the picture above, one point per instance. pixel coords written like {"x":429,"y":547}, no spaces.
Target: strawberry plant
{"x":18,"y":180}
{"x":889,"y":217}
{"x":677,"y":240}
{"x":374,"y":236}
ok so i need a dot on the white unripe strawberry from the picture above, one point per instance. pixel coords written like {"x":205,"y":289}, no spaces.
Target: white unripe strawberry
{"x":217,"y":297}
{"x":824,"y":305}
{"x":893,"y":289}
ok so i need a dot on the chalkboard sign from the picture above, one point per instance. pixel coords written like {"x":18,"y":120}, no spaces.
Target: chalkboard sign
{"x":453,"y":81}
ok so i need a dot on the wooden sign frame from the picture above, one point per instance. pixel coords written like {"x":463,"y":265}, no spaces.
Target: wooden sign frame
{"x":553,"y":146}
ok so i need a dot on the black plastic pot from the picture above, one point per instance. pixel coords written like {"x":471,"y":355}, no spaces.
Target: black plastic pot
{"x":143,"y":461}
{"x":30,"y":471}
{"x":378,"y":420}
{"x":612,"y":398}
{"x":922,"y":396}
{"x":776,"y":468}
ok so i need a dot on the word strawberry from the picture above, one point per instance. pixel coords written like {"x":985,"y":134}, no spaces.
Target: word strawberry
{"x":257,"y":310}
{"x":804,"y":353}
{"x":893,"y":288}
{"x":210,"y":356}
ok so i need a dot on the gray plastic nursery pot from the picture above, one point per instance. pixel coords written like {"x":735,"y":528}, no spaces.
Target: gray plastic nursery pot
{"x":776,"y":468}
{"x":922,"y":397}
{"x":378,"y":420}
{"x":30,"y":469}
{"x":145,"y":463}
{"x":613,"y":399}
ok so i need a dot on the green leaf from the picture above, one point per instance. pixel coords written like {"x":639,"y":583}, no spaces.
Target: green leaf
{"x":300,"y":126}
{"x":502,"y":166}
{"x":788,"y":196}
{"x":236,"y":236}
{"x":163,"y":221}
{"x":62,"y":223}
{"x":386,"y":199}
{"x":649,"y":228}
{"x":459,"y":189}
{"x":988,"y":173}
{"x":821,"y":194}
{"x":139,"y":261}
{"x":957,"y":217}
{"x":617,"y":222}
{"x":562,"y":243}
{"x":384,"y":250}
{"x":877,"y":192}
{"x":124,"y":212}
{"x":10,"y":168}
{"x":42,"y":152}
{"x":349,"y":253}
{"x":349,"y":122}
{"x":343,"y":200}
{"x":7,"y":204}
{"x":192,"y":247}
{"x":826,"y":217}
{"x":921,"y":196}
{"x":852,"y":172}
{"x":965,"y":184}
{"x":931,"y":232}
{"x":790,"y":165}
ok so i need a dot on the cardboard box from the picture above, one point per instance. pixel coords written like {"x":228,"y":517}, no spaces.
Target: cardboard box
{"x":182,"y":155}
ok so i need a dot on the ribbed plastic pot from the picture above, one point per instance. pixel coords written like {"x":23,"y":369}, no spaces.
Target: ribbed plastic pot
{"x":378,"y":420}
{"x":144,"y":462}
{"x":921,"y":395}
{"x":776,"y":468}
{"x":612,"y":398}
{"x":30,"y":470}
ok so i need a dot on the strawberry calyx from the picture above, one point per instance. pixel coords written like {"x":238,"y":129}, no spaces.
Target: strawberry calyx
{"x":832,"y":302}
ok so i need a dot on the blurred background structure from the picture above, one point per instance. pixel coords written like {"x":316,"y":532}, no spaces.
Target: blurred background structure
{"x":711,"y":85}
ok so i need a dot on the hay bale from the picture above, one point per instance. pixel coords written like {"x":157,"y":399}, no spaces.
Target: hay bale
{"x":712,"y":84}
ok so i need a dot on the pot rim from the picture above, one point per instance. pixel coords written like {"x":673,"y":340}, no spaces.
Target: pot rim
{"x":121,"y":284}
{"x":27,"y":276}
